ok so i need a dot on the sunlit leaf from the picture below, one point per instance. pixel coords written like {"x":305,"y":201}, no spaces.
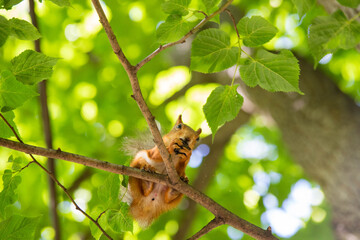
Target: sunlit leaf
{"x":109,"y":191}
{"x":179,"y":7}
{"x":31,"y":67}
{"x":119,"y":220}
{"x":210,"y":5}
{"x":350,"y":3}
{"x":4,"y":30}
{"x":61,"y":3}
{"x":8,"y":4}
{"x":222,"y":105}
{"x":303,"y":6}
{"x":17,"y":163}
{"x":5,"y":131}
{"x":8,"y":195}
{"x":256,"y":31}
{"x":329,"y":33}
{"x":211,"y":52}
{"x":19,"y":228}
{"x":273,"y":72}
{"x":12,"y":92}
{"x":23,"y":30}
{"x":173,"y":29}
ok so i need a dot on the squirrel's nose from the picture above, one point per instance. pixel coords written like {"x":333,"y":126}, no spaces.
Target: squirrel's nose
{"x":185,"y":142}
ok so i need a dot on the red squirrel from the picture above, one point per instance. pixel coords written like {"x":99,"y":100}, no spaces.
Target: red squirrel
{"x":149,"y":200}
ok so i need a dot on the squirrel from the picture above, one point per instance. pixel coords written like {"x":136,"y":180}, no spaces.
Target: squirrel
{"x":148,"y":200}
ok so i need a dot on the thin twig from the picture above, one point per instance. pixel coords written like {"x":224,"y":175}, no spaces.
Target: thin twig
{"x":208,"y":227}
{"x":97,"y":219}
{"x":26,"y":166}
{"x":202,"y":12}
{"x":11,"y":127}
{"x":54,"y":179}
{"x":234,"y":22}
{"x":183,"y":39}
{"x":219,"y":211}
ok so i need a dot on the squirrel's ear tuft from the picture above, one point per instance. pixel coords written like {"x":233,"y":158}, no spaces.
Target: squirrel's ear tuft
{"x":178,"y":120}
{"x":198,"y":131}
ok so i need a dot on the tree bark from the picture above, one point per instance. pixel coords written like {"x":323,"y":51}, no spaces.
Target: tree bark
{"x":321,"y":130}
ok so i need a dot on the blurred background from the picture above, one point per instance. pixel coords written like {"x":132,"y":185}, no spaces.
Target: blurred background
{"x":264,"y":166}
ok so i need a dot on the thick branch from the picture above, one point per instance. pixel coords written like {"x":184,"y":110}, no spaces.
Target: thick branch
{"x":208,"y":203}
{"x":131,"y":71}
{"x":210,"y":226}
{"x":183,"y":39}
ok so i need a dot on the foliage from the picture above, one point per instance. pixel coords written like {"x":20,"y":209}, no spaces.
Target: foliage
{"x":91,"y":107}
{"x":222,"y":105}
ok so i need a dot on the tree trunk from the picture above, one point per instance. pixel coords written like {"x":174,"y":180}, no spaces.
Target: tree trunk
{"x":322,"y":131}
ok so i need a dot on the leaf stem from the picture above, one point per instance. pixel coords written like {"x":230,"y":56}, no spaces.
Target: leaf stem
{"x":233,"y":21}
{"x":248,"y":55}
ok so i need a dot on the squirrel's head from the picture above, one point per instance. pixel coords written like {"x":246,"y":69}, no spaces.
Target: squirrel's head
{"x":184,"y":132}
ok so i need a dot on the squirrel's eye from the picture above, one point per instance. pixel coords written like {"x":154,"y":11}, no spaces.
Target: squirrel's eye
{"x":197,"y":139}
{"x":178,"y":126}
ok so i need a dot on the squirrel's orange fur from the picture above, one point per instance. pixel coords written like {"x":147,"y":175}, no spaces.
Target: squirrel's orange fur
{"x":150,"y":200}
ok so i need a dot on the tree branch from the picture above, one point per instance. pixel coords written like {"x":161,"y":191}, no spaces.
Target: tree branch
{"x":173,"y":181}
{"x":53,"y":178}
{"x":208,"y":227}
{"x":47,"y":133}
{"x":137,"y":95}
{"x":183,"y":39}
{"x":208,"y":203}
{"x":208,"y":167}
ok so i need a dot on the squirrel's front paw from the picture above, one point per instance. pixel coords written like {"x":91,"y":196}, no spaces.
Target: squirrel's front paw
{"x":184,"y":179}
{"x":148,"y":168}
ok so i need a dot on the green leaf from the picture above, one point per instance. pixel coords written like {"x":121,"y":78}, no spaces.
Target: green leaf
{"x":349,"y":3}
{"x":19,"y":228}
{"x":31,"y":67}
{"x":222,"y":105}
{"x":17,"y":163}
{"x":95,"y":231}
{"x":179,"y":7}
{"x":173,"y":29}
{"x":119,"y":220}
{"x":211,"y":52}
{"x":329,"y":33}
{"x":61,"y":3}
{"x":23,"y":30}
{"x":8,"y":4}
{"x":5,"y":131}
{"x":256,"y":31}
{"x":12,"y":92}
{"x":4,"y":30}
{"x":273,"y":72}
{"x":303,"y":6}
{"x":109,"y":192}
{"x":8,"y":195}
{"x":211,"y":5}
